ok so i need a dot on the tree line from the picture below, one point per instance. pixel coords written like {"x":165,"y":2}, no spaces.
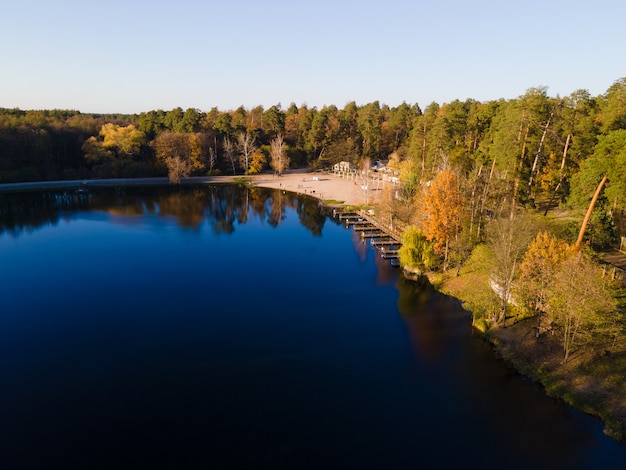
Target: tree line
{"x":534,"y":149}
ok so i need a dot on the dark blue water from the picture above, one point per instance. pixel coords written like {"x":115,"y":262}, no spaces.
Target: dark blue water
{"x":222,"y":327}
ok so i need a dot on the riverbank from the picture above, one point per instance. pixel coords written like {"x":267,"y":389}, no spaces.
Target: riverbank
{"x":591,"y":381}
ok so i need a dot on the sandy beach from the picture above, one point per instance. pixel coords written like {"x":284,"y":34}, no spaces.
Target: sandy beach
{"x":322,"y":185}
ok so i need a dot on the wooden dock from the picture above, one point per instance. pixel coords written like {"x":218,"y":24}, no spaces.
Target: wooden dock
{"x":391,"y":232}
{"x":383,"y":242}
{"x":381,"y":237}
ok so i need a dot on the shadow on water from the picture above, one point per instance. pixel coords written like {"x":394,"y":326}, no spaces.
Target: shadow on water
{"x":512,"y":422}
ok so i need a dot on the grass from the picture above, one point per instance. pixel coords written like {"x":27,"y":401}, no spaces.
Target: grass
{"x":471,"y":286}
{"x":242,"y":180}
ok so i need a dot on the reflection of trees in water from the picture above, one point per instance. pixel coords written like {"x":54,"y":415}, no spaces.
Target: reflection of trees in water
{"x":310,"y":215}
{"x":432,"y":318}
{"x":186,"y":207}
{"x":222,"y":206}
{"x":277,"y":204}
{"x":26,"y":211}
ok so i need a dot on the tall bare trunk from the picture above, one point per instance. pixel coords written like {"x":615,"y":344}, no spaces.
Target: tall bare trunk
{"x":569,"y":136}
{"x":484,"y":198}
{"x":474,"y":205}
{"x":423,"y":153}
{"x":592,"y":204}
{"x":515,"y":173}
{"x":538,"y":154}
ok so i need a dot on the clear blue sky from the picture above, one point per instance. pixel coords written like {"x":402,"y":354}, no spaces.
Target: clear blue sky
{"x":131,"y":56}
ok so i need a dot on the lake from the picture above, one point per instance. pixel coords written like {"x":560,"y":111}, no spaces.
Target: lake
{"x":223,"y":326}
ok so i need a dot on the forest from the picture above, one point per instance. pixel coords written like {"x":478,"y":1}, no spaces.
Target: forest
{"x":531,"y":150}
{"x":477,"y":183}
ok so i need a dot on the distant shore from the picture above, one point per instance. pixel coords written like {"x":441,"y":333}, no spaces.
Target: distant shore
{"x":321,"y":185}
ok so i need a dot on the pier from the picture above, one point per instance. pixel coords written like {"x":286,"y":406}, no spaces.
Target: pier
{"x":383,"y":238}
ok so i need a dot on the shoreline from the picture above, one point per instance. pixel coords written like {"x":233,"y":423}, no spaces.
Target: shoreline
{"x":575,"y":383}
{"x":320,"y":185}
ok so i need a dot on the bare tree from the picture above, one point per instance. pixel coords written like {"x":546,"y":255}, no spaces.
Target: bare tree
{"x":533,"y":170}
{"x":246,"y":147}
{"x":177,"y":168}
{"x":508,"y":238}
{"x":279,"y":159}
{"x":229,"y":152}
{"x":212,"y":159}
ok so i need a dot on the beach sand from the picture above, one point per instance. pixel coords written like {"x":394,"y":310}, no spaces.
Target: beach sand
{"x":321,"y":185}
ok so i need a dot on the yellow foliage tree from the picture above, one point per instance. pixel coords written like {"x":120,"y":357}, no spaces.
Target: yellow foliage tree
{"x":257,"y":163}
{"x":538,"y":269}
{"x":416,"y":253}
{"x":198,"y":149}
{"x":582,"y":307}
{"x":126,"y":140}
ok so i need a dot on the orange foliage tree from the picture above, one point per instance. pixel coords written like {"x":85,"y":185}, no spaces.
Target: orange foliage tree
{"x":440,"y":208}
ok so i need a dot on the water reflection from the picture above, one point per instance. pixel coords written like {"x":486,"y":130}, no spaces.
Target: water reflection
{"x":156,"y":343}
{"x":221,"y":206}
{"x":511,"y":416}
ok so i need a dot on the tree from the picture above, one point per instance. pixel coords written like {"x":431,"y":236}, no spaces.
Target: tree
{"x":580,"y":304}
{"x":100,"y":158}
{"x":606,"y":167}
{"x":173,"y":120}
{"x":190,"y":121}
{"x":592,"y":204}
{"x":441,"y":208}
{"x":279,"y":159}
{"x":508,"y":238}
{"x":274,"y":120}
{"x":257,"y":162}
{"x":229,"y":152}
{"x":114,"y":149}
{"x":614,"y":106}
{"x":212,"y":160}
{"x":246,"y":147}
{"x":400,"y":121}
{"x":416,"y":252}
{"x":541,"y":262}
{"x":200,"y":152}
{"x":369,"y":121}
{"x":420,"y":141}
{"x":174,"y":149}
{"x":177,"y":168}
{"x":124,"y":140}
